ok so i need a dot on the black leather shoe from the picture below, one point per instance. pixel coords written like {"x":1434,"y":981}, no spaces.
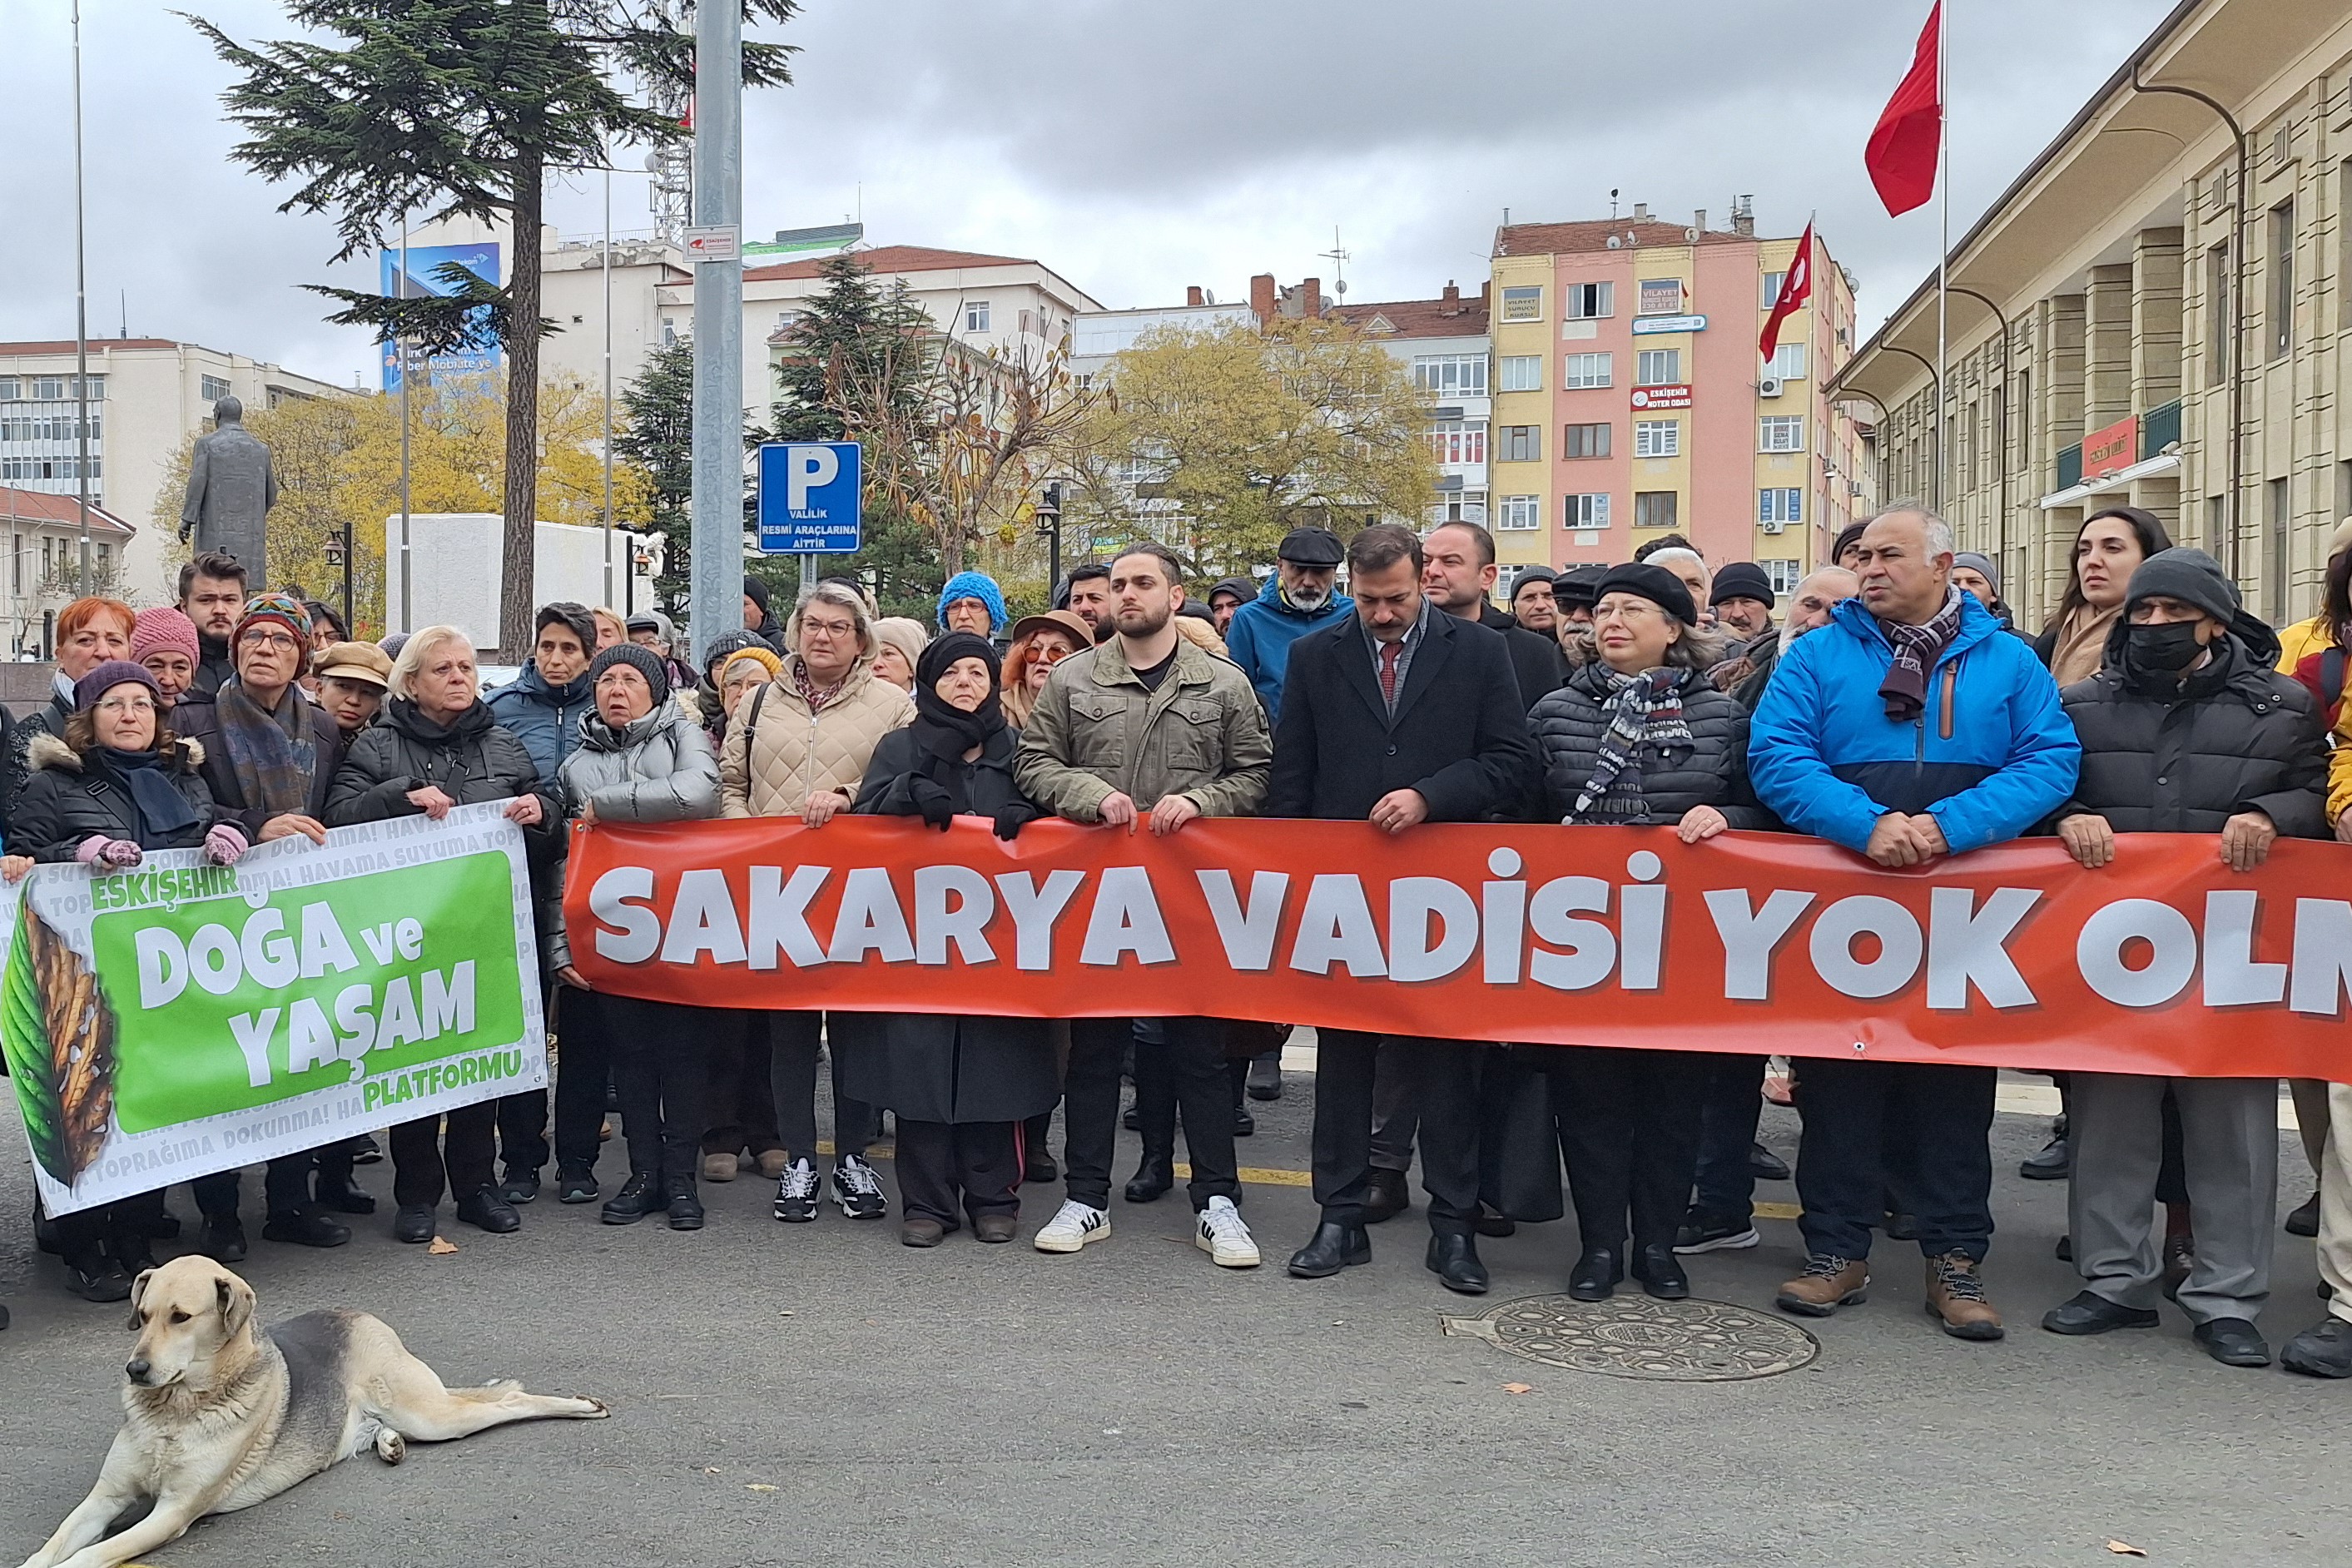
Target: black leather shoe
{"x":2087,"y":1312}
{"x":414,"y":1222}
{"x":1596,"y":1275}
{"x":2324,"y":1349}
{"x":685,"y":1206}
{"x":1901,"y":1226}
{"x":1389,"y":1194}
{"x":1152,"y":1180}
{"x":1454,"y":1260}
{"x":1265,"y":1075}
{"x":1332,"y":1247}
{"x":2232,"y":1341}
{"x":1492,"y":1221}
{"x":2304,"y":1218}
{"x":488,"y":1211}
{"x":2057,"y":1157}
{"x":1244,"y":1124}
{"x":1661,"y":1275}
{"x":638,"y":1196}
{"x":1765,"y":1166}
{"x":95,"y":1276}
{"x":223,"y":1241}
{"x":346,"y":1196}
{"x":305,"y":1228}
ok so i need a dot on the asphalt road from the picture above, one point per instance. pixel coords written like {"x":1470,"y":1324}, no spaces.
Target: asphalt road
{"x":818,"y":1393}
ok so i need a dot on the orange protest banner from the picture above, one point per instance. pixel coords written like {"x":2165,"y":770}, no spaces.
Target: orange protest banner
{"x":2163,"y":961}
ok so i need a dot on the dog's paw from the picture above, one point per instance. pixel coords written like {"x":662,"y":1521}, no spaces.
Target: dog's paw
{"x":390,"y":1446}
{"x":597,"y":1409}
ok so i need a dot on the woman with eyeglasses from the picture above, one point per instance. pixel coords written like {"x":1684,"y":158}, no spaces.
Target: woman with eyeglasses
{"x":117,"y":785}
{"x":1039,"y":643}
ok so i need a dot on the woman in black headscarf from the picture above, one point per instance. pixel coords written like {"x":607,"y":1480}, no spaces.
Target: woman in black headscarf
{"x":960,"y":1087}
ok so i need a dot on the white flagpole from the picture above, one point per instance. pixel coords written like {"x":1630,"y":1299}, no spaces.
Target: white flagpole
{"x":1942,"y":254}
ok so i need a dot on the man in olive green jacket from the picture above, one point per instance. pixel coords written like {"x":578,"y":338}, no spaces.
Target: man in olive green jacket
{"x":1147,"y":728}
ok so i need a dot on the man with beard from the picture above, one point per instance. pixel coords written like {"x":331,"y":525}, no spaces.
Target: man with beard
{"x":1298,"y":597}
{"x":1402,"y":716}
{"x":1227,"y":597}
{"x":1457,"y":575}
{"x":1086,"y":594}
{"x":1533,"y":602}
{"x":212,"y":594}
{"x":1147,"y":728}
{"x":1575,"y":592}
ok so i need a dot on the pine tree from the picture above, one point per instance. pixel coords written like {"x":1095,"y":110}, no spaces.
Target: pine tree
{"x":657,"y":439}
{"x":427,"y":109}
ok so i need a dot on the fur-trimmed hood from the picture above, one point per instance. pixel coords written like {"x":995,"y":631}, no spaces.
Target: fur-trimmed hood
{"x":48,"y":751}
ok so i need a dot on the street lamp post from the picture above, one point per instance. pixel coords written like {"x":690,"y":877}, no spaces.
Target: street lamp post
{"x":339,"y":553}
{"x":1049,"y":524}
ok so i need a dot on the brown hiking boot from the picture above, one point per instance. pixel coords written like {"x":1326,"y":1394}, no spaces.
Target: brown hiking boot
{"x":1827,"y":1283}
{"x":1956,"y":1297}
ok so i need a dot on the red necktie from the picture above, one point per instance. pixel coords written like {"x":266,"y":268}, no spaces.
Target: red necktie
{"x":1389,"y":652}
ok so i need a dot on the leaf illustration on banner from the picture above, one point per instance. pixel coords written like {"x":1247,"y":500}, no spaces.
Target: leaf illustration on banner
{"x":58,"y":1033}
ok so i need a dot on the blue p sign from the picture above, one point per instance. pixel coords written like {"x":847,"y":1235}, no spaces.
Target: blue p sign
{"x":809,"y":497}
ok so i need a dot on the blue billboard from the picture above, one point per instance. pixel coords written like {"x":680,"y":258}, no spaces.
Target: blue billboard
{"x":421,"y":280}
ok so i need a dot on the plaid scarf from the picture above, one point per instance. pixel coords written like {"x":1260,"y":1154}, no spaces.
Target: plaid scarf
{"x":813,"y":694}
{"x":1917,"y":649}
{"x":271,"y":754}
{"x":1646,"y":710}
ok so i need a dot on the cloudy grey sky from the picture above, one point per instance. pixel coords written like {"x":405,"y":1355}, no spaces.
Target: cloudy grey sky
{"x":1134,"y":145}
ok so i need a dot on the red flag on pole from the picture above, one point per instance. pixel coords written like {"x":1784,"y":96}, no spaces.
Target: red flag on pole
{"x":1796,"y":291}
{"x":1901,"y":156}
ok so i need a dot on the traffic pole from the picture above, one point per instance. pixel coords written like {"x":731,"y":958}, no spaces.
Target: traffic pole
{"x":716,"y":537}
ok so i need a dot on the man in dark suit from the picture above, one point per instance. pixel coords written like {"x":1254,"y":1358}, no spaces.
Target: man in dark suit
{"x":1458,"y":574}
{"x":1400,"y":715}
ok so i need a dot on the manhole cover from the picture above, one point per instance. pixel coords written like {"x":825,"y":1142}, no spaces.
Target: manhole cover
{"x":1634,"y":1336}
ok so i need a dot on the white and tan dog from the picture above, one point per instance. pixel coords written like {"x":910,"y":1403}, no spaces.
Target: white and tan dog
{"x":218,"y":1416}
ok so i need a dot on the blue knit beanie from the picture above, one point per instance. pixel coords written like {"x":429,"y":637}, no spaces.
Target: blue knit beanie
{"x":974,"y":586}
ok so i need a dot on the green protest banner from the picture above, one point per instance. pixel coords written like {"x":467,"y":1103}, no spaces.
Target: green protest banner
{"x":180,"y":1018}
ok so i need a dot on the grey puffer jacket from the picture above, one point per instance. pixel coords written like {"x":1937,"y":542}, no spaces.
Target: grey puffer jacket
{"x":1711,"y":769}
{"x":659,"y":768}
{"x":2238,"y":736}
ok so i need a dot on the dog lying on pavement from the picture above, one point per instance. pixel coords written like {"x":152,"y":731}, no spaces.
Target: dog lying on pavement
{"x":219,"y":1416}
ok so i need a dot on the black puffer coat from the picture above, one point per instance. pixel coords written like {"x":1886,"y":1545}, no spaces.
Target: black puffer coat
{"x":2238,"y":736}
{"x":939,"y":1067}
{"x":68,"y":798}
{"x":472,"y":760}
{"x":1710,"y":770}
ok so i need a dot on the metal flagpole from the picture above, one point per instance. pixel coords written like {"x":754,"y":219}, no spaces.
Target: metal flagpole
{"x":608,"y":378}
{"x":81,"y":317}
{"x":407,"y":369}
{"x":1943,"y":252}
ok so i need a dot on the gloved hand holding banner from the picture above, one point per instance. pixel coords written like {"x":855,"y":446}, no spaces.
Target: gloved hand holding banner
{"x":184,"y":1018}
{"x":2164,"y":962}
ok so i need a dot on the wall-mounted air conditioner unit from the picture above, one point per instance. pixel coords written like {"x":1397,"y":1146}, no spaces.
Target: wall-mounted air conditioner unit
{"x":1770,"y":386}
{"x":1771,"y":527}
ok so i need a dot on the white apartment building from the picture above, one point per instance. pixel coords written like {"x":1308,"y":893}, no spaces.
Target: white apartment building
{"x":1445,"y":344}
{"x":147,"y":396}
{"x":42,"y":572}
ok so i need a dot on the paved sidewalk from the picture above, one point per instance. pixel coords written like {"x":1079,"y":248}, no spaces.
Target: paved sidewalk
{"x":811,"y":1394}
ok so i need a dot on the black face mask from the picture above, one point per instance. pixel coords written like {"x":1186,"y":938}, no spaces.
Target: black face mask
{"x":2166,"y":649}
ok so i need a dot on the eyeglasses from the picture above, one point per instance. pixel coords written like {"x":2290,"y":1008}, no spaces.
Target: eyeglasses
{"x":124,"y":705}
{"x":275,"y":642}
{"x":1053,"y":653}
{"x":830,"y":629}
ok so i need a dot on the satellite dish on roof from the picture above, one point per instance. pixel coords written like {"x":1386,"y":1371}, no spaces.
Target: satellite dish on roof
{"x":1342,"y":286}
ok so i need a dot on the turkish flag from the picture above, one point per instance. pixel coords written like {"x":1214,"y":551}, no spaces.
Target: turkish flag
{"x":1901,"y":156}
{"x":1796,"y":290}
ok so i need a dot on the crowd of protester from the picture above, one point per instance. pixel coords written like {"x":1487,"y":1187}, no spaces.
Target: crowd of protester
{"x":1892,"y":706}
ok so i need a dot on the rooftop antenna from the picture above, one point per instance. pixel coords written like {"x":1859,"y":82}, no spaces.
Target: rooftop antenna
{"x":1338,"y":258}
{"x":1612,"y":203}
{"x":126,"y":314}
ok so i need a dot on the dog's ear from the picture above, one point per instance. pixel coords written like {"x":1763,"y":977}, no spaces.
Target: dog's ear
{"x":235,"y":1303}
{"x":138,"y":1289}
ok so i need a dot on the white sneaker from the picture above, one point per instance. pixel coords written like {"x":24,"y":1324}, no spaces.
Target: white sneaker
{"x":1224,"y":1238}
{"x":1072,"y":1226}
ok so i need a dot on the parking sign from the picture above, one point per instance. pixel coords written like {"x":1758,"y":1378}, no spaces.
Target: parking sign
{"x":809,"y":497}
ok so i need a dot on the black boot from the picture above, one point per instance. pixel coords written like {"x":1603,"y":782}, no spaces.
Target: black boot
{"x":677,"y":1181}
{"x":638,"y":1196}
{"x":305,"y":1227}
{"x":1453,"y":1258}
{"x":1596,"y":1275}
{"x":1153,"y":1178}
{"x":340,"y":1193}
{"x":1388,"y":1194}
{"x":1332,"y":1247}
{"x":1661,"y":1273}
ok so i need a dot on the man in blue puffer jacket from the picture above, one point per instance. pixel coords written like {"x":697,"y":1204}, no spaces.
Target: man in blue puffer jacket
{"x":1907,"y":729}
{"x":1295,"y":600}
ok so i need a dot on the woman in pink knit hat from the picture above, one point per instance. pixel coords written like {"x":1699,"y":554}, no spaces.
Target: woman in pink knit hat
{"x":164,"y":642}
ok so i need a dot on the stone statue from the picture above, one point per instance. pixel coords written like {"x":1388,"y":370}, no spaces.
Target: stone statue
{"x":231,"y":487}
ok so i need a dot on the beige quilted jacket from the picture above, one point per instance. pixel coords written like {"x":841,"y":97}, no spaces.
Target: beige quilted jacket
{"x":777,"y":754}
